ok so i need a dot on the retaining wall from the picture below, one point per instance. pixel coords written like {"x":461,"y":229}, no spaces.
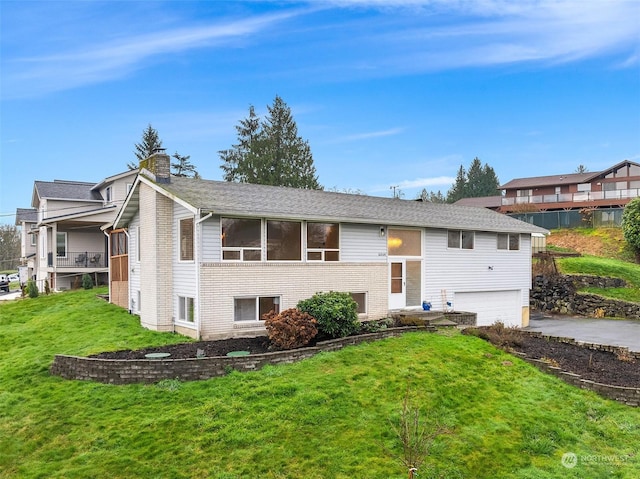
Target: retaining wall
{"x":558,"y":294}
{"x":127,"y":371}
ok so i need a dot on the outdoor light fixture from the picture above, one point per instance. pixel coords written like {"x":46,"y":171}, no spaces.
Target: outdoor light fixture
{"x":382,"y":232}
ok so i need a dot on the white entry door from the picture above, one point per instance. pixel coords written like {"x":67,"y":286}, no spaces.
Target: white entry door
{"x":397,"y":284}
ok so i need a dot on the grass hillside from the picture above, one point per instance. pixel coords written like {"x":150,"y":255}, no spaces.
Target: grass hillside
{"x":329,"y":416}
{"x":603,"y":242}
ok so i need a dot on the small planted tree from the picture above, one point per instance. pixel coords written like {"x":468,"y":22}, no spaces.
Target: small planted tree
{"x":336,"y":313}
{"x":290,"y":329}
{"x":87,"y":282}
{"x":32,"y":289}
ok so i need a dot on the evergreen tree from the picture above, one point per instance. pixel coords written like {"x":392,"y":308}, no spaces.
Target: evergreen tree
{"x":270,"y":152}
{"x":582,"y":169}
{"x":150,"y":142}
{"x":431,"y":197}
{"x":481,"y":180}
{"x":631,"y":226}
{"x":458,"y":188}
{"x":183,"y":167}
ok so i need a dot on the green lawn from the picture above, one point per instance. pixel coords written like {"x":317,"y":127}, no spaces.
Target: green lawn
{"x":606,"y":267}
{"x":325,"y":417}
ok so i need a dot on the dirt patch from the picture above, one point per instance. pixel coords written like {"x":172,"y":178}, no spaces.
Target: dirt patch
{"x":605,"y":242}
{"x":599,"y":366}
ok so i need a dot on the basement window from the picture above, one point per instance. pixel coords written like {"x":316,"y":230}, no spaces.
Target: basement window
{"x":253,"y":308}
{"x":186,"y":309}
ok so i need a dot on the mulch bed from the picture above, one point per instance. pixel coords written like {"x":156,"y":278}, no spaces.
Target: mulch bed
{"x":598,"y":366}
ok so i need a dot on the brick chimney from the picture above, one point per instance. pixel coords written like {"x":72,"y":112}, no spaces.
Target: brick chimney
{"x":159,"y":163}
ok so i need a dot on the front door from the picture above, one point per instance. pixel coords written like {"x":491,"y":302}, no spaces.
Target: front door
{"x":397,"y":284}
{"x":405,"y":283}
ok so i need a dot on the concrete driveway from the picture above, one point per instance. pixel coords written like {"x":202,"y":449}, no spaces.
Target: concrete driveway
{"x":8,"y":296}
{"x":613,"y":332}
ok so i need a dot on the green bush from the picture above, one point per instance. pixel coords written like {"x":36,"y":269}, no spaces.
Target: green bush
{"x":32,"y":289}
{"x":336,"y":313}
{"x":87,"y":282}
{"x":290,"y":329}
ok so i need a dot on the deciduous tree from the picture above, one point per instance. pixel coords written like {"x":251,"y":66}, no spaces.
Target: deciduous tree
{"x":631,"y":225}
{"x":9,"y":247}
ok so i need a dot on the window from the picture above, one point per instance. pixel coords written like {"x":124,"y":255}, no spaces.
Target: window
{"x":284,"y":241}
{"x":107,"y":194}
{"x":33,"y":238}
{"x":118,"y":243}
{"x":186,"y":309}
{"x":253,"y":308}
{"x":404,"y":242}
{"x":524,"y":192}
{"x":186,"y":239}
{"x":129,"y":186}
{"x":61,"y":245}
{"x":241,"y":239}
{"x":460,"y":239}
{"x":361,"y":300}
{"x":584,"y":187}
{"x":509,"y":242}
{"x":138,"y":242}
{"x":323,"y":242}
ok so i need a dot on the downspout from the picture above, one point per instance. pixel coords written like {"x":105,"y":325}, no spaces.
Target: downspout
{"x":126,"y":232}
{"x":109,"y":260}
{"x":198,"y":253}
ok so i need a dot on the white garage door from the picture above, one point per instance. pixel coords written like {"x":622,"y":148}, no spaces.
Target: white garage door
{"x":491,"y":306}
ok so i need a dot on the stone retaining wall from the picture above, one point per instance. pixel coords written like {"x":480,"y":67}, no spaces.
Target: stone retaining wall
{"x":558,"y":294}
{"x":128,"y":371}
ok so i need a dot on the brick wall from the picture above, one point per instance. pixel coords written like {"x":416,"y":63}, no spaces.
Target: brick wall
{"x":122,"y":371}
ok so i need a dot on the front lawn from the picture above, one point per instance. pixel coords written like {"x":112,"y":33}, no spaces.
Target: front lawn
{"x":325,"y":417}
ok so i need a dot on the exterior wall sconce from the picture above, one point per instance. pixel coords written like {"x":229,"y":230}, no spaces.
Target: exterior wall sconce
{"x":490,"y":268}
{"x":383,"y":232}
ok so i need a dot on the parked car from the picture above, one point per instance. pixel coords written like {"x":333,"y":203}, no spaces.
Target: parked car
{"x":4,"y":283}
{"x":15,"y":277}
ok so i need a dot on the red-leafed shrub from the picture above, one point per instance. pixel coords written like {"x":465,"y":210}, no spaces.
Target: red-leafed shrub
{"x":290,"y":329}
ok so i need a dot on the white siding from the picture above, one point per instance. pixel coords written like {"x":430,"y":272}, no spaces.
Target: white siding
{"x":134,"y":264}
{"x":458,"y":270}
{"x":362,"y":244}
{"x":184,"y":272}
{"x":211,"y":240}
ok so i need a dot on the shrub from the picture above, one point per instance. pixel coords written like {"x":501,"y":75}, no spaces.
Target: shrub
{"x":87,"y":282}
{"x":32,"y":289}
{"x":498,"y":334}
{"x":47,"y":288}
{"x":376,"y":326}
{"x":336,"y":313}
{"x":290,"y":329}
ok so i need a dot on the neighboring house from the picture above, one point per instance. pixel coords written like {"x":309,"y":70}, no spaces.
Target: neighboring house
{"x":67,"y":228}
{"x":490,"y":202}
{"x":611,"y":188}
{"x":27,"y":220}
{"x":207,"y":258}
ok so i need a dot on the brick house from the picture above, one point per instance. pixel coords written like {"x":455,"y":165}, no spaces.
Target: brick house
{"x":208,"y":258}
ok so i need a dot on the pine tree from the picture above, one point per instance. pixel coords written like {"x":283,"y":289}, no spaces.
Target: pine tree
{"x":150,"y":142}
{"x":458,"y":188}
{"x":183,"y":167}
{"x":270,"y":152}
{"x":481,"y":181}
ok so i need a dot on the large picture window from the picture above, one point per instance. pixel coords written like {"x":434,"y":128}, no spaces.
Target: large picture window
{"x":404,"y":242}
{"x":241,"y":239}
{"x":186,"y":239}
{"x":284,"y":241}
{"x":323,"y":242}
{"x":253,"y":308}
{"x":118,"y":243}
{"x":460,"y":239}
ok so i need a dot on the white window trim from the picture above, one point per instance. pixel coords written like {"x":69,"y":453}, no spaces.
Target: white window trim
{"x":138,"y":244}
{"x":66,"y":244}
{"x":241,"y":249}
{"x":256,"y":298}
{"x":193,"y":240}
{"x":473,"y":233}
{"x":184,"y":321}
{"x":508,"y":235}
{"x":307,"y":250}
{"x":108,"y":195}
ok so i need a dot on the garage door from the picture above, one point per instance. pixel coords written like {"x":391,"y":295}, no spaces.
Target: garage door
{"x":491,"y":306}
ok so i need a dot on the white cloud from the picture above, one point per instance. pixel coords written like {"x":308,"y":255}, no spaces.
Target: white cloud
{"x":373,"y":134}
{"x":436,"y":183}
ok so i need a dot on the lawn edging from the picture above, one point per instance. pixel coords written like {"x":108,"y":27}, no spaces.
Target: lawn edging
{"x":130,"y":371}
{"x":626,"y":395}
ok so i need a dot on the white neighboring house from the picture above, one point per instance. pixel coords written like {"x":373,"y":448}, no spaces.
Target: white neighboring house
{"x":208,"y":258}
{"x":62,"y":235}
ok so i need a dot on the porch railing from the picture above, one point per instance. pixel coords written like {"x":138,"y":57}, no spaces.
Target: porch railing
{"x":79,"y":259}
{"x":573,"y":197}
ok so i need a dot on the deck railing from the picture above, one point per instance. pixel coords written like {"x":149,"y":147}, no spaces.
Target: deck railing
{"x":79,"y":259}
{"x":579,"y":197}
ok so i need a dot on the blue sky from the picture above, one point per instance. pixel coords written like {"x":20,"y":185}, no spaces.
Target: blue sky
{"x":388,"y":93}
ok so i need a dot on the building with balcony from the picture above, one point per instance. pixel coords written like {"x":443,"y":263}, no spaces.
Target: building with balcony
{"x":63,"y":237}
{"x":611,"y":188}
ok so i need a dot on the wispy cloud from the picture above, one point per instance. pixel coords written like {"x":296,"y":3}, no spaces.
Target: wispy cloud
{"x":373,"y":134}
{"x":93,"y":63}
{"x":429,"y":183}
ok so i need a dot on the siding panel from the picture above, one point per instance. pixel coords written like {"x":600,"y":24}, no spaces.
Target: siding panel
{"x":362,"y":244}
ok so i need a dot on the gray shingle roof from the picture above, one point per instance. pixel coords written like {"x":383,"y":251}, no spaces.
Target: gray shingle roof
{"x":67,"y":190}
{"x":28,"y":215}
{"x":239,"y":199}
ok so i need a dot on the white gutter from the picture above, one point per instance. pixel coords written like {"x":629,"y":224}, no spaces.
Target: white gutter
{"x":198,"y":252}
